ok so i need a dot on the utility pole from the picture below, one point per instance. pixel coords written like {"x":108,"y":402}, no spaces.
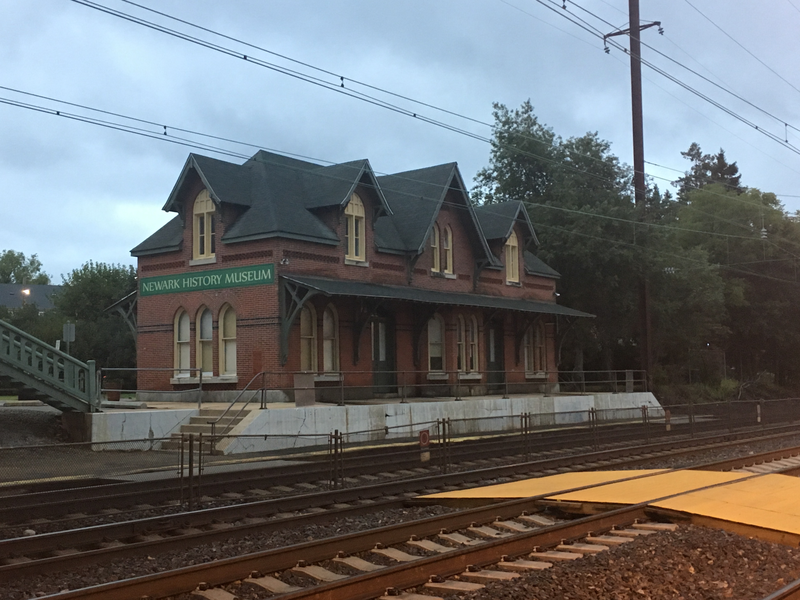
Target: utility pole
{"x":639,"y":188}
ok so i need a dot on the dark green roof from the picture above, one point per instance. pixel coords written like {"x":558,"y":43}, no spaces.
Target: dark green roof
{"x":536,"y":266}
{"x":358,"y":289}
{"x":497,"y":220}
{"x":166,"y":239}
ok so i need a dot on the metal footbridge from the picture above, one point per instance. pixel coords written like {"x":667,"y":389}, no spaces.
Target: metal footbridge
{"x":47,"y":374}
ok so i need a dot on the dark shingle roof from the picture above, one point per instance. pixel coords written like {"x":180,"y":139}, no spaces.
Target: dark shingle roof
{"x":536,"y":266}
{"x":166,"y":239}
{"x":338,"y":287}
{"x":497,"y":220}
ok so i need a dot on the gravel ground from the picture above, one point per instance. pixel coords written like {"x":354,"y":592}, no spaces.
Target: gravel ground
{"x":692,"y":563}
{"x":30,"y":426}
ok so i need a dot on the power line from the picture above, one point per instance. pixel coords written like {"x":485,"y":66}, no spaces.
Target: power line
{"x":730,"y":37}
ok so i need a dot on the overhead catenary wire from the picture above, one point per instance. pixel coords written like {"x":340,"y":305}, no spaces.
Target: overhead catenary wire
{"x":166,"y":137}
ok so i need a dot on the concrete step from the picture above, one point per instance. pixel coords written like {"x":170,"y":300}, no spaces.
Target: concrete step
{"x":224,"y":421}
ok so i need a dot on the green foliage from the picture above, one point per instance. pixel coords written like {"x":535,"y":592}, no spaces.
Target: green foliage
{"x":85,"y":295}
{"x":16,"y":268}
{"x":707,"y":169}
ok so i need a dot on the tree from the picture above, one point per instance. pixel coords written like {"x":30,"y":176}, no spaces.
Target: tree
{"x":16,"y":268}
{"x":706,"y":169}
{"x":99,"y":335}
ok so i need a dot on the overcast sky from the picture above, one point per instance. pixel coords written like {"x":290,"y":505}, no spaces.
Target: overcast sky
{"x":73,"y":191}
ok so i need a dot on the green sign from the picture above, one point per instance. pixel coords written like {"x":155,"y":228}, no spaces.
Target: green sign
{"x":207,"y":280}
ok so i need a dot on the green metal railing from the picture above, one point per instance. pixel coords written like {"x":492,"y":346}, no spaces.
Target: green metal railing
{"x":63,"y":381}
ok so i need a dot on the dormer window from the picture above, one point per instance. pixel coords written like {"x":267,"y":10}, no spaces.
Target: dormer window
{"x":204,"y":245}
{"x":512,"y":259}
{"x":354,"y":229}
{"x":437,"y":261}
{"x":448,"y":250}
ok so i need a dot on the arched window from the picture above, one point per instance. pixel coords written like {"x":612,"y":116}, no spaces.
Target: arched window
{"x":535,"y":349}
{"x":436,"y":358}
{"x":354,"y":229}
{"x":512,"y":259}
{"x":182,"y":353}
{"x":308,"y":338}
{"x":330,"y":340}
{"x":472,"y":344}
{"x":205,"y":341}
{"x":437,"y":259}
{"x":227,"y":341}
{"x":204,"y":245}
{"x":448,"y":250}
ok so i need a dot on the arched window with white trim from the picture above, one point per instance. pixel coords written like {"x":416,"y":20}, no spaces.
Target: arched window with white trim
{"x":512,"y":258}
{"x":182,"y":352}
{"x":436,"y":354}
{"x":205,"y":341}
{"x":227,"y":341}
{"x":437,"y":259}
{"x":308,"y":338}
{"x":204,"y":244}
{"x":330,"y":340}
{"x":535,"y":346}
{"x":354,"y":229}
{"x":448,"y":250}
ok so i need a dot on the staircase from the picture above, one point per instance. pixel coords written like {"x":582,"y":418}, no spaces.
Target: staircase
{"x":40,"y":371}
{"x":200,"y":424}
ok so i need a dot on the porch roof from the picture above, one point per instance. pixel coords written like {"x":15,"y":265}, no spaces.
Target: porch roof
{"x":337,"y":287}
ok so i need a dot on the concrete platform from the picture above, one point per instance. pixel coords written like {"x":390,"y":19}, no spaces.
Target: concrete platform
{"x":284,"y":425}
{"x":758,"y":505}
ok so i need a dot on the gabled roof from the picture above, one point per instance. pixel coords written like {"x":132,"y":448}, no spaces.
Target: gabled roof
{"x":416,"y":197}
{"x":498,"y":220}
{"x":536,"y":266}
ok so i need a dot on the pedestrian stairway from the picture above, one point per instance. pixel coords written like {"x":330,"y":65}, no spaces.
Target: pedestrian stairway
{"x":37,"y":370}
{"x":201,"y":424}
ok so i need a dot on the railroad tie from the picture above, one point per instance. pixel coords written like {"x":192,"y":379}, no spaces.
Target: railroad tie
{"x":538,"y":520}
{"x":655,"y":526}
{"x":456,"y":587}
{"x":429,"y":545}
{"x":607,"y":540}
{"x":632,"y":533}
{"x":581,"y":548}
{"x":522,"y":565}
{"x":359,"y":564}
{"x":511,"y":526}
{"x":318,"y":573}
{"x":487,"y":575}
{"x":487,"y":532}
{"x":271,"y":584}
{"x":395,"y":554}
{"x":459,"y":539}
{"x":552,"y":555}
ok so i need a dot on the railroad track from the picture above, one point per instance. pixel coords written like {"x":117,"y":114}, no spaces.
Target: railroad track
{"x":103,"y":543}
{"x":62,"y":508}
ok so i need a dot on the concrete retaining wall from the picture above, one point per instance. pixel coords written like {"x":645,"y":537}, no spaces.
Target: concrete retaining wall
{"x":137,"y":425}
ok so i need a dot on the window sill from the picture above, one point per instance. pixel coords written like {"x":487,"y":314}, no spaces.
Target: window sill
{"x":355,"y":262}
{"x":450,"y":276}
{"x":514,"y":283}
{"x":328,"y":377}
{"x":437,"y":376}
{"x":539,"y":375}
{"x":210,"y":379}
{"x":470,"y":376}
{"x":203,"y":261}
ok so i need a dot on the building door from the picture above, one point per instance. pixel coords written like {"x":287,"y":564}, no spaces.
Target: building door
{"x":495,"y":364}
{"x":384,"y":377}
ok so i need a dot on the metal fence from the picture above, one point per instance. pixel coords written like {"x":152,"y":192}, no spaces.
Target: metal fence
{"x":189,"y":458}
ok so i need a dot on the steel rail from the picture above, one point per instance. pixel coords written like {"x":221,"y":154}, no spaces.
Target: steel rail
{"x":88,"y":537}
{"x":17,"y":509}
{"x":227,"y":570}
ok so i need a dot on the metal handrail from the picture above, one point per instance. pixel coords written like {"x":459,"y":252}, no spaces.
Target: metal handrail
{"x":234,"y":401}
{"x":54,"y":368}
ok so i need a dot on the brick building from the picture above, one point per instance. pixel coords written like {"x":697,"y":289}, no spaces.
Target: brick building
{"x":364,"y":285}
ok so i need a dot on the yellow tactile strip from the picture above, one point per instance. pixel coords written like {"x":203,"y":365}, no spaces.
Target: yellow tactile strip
{"x":766,"y":501}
